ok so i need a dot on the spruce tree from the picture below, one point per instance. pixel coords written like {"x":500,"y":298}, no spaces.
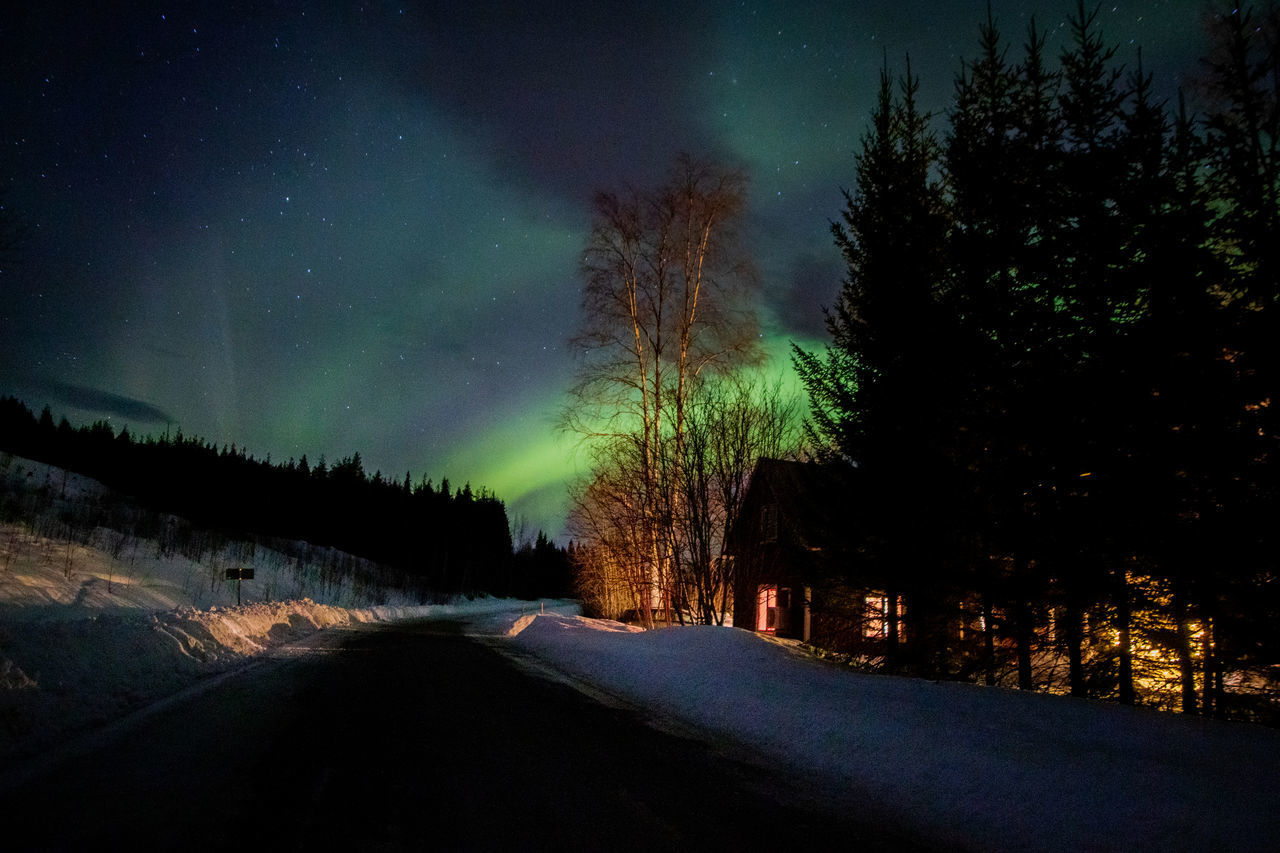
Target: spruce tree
{"x":1243,"y":176}
{"x":877,"y":392}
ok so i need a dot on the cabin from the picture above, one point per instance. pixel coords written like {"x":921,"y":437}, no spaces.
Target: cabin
{"x":796,"y":552}
{"x":791,"y":535}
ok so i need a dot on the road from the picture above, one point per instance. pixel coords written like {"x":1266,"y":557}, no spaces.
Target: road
{"x":409,"y":737}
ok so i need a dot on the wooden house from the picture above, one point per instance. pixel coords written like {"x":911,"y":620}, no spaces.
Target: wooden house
{"x":799,"y":570}
{"x":792,"y":537}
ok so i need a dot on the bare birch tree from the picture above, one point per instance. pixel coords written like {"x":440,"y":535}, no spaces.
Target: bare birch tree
{"x":732,"y":422}
{"x":665,"y":303}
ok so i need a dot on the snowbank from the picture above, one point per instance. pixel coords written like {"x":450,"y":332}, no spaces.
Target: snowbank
{"x":67,"y":671}
{"x":966,"y":766}
{"x":99,"y":621}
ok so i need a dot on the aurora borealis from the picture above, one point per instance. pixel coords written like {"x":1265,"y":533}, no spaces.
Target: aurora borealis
{"x":322,"y":228}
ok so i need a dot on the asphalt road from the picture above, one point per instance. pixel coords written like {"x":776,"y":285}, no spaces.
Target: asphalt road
{"x":411,"y":737}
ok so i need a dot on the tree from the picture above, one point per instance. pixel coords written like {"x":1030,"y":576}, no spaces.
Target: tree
{"x":1001,"y":165}
{"x":731,"y":422}
{"x":1242,"y":85}
{"x":1096,"y":310}
{"x":879,"y":395}
{"x":614,"y":565}
{"x":1099,"y":448}
{"x":665,"y":305}
{"x":1242,"y":122}
{"x":1035,"y":164}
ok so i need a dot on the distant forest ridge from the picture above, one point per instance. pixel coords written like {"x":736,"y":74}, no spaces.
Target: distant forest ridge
{"x":451,"y":541}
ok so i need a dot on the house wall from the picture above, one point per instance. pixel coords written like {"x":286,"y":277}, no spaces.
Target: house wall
{"x":770,"y":548}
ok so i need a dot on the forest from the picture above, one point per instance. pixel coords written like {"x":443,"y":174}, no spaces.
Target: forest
{"x":1049,"y":379}
{"x":436,"y":540}
{"x":1053,"y":364}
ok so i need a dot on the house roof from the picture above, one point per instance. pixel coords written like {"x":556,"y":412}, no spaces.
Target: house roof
{"x":815,"y":506}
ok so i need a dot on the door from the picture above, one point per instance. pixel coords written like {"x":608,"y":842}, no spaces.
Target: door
{"x":767,"y":609}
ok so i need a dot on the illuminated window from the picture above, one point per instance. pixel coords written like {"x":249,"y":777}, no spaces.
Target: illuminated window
{"x":767,"y":609}
{"x":876,"y":611}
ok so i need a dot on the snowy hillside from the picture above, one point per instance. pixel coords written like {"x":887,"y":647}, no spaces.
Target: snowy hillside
{"x":74,"y":542}
{"x":88,"y":659}
{"x":93,"y":626}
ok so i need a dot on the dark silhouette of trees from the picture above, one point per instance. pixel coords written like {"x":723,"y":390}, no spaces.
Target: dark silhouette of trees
{"x":542,"y":568}
{"x":1055,"y":370}
{"x":880,"y":395}
{"x":449,"y":543}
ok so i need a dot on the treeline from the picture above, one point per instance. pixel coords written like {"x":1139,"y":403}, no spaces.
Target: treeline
{"x":447,"y":540}
{"x":1054,"y":363}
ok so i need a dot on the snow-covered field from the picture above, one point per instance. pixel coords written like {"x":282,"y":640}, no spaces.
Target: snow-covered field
{"x":962,"y":765}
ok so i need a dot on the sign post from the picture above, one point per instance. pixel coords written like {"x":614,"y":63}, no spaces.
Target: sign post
{"x":239,"y":575}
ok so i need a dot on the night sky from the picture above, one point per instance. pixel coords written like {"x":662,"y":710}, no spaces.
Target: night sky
{"x":325,"y":228}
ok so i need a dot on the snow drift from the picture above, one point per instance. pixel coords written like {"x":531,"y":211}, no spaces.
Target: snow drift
{"x":964,"y":765}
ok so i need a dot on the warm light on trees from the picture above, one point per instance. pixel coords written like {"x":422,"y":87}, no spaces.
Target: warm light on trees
{"x":666,"y":322}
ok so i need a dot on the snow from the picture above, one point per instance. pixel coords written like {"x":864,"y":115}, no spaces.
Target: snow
{"x":90,"y":632}
{"x":959,"y":765}
{"x":67,"y":668}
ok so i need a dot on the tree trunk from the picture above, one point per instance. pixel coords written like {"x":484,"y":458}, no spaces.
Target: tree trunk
{"x":1186,"y":667}
{"x":1207,"y":704}
{"x":891,"y":654}
{"x":1024,"y":645}
{"x":1075,"y":644}
{"x":988,"y":640}
{"x":1124,"y":628}
{"x":1024,"y":627}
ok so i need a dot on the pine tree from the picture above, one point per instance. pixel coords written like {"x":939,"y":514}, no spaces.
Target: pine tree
{"x":1243,"y":177}
{"x":878,"y":395}
{"x":1002,"y":142}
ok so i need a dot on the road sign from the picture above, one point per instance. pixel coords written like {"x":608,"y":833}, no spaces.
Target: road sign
{"x":238,"y":575}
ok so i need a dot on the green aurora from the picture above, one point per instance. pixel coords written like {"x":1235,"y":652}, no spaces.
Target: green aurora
{"x":360,"y":230}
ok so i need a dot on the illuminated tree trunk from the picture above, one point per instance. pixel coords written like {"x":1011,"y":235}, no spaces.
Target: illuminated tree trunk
{"x":891,"y":653}
{"x":1186,"y":666}
{"x":1209,"y":706}
{"x":1124,"y":627}
{"x":1024,"y":626}
{"x":988,"y":640}
{"x":1075,"y":644}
